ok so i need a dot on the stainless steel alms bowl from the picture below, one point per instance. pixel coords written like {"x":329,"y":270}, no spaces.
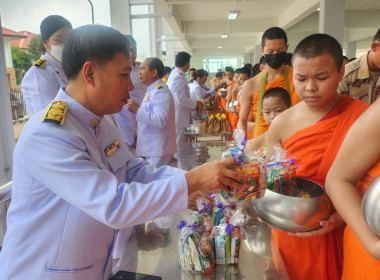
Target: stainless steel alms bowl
{"x":294,"y":214}
{"x":371,"y":205}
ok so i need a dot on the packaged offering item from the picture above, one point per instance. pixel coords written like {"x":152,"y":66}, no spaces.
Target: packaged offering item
{"x":249,"y":164}
{"x":196,"y":246}
{"x":281,"y":172}
{"x":227,"y":238}
{"x":224,"y":206}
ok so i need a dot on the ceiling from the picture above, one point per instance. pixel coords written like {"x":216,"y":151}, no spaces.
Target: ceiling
{"x":197,"y":25}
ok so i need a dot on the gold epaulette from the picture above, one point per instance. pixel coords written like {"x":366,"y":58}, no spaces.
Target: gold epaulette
{"x":55,"y":113}
{"x":158,"y":86}
{"x":40,"y":63}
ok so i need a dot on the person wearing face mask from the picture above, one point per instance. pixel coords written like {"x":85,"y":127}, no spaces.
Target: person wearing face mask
{"x":42,"y":81}
{"x":274,"y":44}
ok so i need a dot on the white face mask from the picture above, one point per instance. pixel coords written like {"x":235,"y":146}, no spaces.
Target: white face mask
{"x":56,"y":51}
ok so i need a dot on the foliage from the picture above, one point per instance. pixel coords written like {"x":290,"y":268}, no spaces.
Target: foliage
{"x":34,"y":48}
{"x":23,"y":60}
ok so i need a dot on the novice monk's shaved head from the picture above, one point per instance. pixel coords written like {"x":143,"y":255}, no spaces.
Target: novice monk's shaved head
{"x":317,"y":45}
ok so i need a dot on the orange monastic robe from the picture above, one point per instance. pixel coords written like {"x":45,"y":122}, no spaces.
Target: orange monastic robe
{"x":279,"y":82}
{"x":315,"y":147}
{"x":357,"y":263}
{"x":234,"y":118}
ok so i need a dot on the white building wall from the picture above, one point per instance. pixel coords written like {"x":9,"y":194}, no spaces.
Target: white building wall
{"x":8,"y":52}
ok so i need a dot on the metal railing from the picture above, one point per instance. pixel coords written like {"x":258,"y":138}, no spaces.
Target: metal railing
{"x":4,"y":204}
{"x":18,"y":107}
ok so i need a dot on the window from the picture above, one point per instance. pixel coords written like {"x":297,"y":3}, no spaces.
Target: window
{"x":212,"y":64}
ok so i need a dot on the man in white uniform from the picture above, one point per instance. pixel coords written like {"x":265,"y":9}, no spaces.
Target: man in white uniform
{"x":126,"y":120}
{"x":183,"y":102}
{"x":156,"y":140}
{"x":75,"y":181}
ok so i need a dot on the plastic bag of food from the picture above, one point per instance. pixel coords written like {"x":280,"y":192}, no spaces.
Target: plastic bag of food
{"x":227,"y":238}
{"x":250,"y":164}
{"x":281,"y":172}
{"x":196,"y":246}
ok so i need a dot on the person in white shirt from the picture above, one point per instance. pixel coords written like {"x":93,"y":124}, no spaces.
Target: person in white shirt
{"x":155,"y":116}
{"x":42,"y":81}
{"x":177,"y":84}
{"x":198,"y":89}
{"x":125,"y":119}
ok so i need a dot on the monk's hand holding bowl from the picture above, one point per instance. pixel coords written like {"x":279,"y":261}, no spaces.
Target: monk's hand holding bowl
{"x":333,"y":221}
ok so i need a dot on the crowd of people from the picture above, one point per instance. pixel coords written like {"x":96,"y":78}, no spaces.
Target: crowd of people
{"x":99,"y":155}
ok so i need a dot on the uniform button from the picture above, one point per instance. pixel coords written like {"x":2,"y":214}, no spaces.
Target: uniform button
{"x":94,"y":122}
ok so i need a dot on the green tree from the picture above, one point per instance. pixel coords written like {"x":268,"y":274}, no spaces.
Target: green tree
{"x":34,"y":48}
{"x":21,"y":62}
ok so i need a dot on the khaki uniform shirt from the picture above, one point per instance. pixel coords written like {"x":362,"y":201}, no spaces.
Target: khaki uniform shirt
{"x":357,"y":81}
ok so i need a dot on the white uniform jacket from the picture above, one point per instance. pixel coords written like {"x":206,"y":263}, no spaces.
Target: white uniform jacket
{"x":41,"y":83}
{"x":156,"y":123}
{"x":73,"y":185}
{"x":177,"y":84}
{"x":199,"y":92}
{"x":125,"y":119}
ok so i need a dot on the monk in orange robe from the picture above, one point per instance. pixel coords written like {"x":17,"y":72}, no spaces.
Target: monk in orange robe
{"x":241,"y":76}
{"x":276,"y":74}
{"x":278,"y":82}
{"x":355,"y":167}
{"x":312,"y":131}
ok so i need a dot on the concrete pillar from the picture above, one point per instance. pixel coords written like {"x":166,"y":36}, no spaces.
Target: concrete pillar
{"x":121,"y":16}
{"x":331,"y":18}
{"x":247,"y":58}
{"x":257,"y":54}
{"x":155,"y":34}
{"x":6,"y":124}
{"x":351,"y":49}
{"x":170,"y":55}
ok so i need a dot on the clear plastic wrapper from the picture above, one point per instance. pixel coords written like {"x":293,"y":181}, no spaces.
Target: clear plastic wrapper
{"x":250,"y":164}
{"x":228,"y":238}
{"x":281,"y":172}
{"x":196,"y":246}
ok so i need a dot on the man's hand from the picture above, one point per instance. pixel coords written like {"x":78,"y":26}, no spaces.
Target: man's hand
{"x":217,"y":85}
{"x":192,"y":204}
{"x":334,"y":221}
{"x":214,"y":176}
{"x":132,"y":106}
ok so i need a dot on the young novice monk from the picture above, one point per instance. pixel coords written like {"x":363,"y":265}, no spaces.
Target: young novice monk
{"x":356,"y":165}
{"x":274,"y":44}
{"x":312,"y":131}
{"x":275,"y":101}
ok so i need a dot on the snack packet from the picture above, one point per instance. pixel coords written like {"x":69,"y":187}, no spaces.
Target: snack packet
{"x":250,"y":164}
{"x":196,"y":246}
{"x":228,"y":238}
{"x":281,"y":172}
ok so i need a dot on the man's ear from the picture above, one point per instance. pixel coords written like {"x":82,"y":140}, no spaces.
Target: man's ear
{"x":375,"y":46}
{"x":155,"y":73}
{"x":89,"y":69}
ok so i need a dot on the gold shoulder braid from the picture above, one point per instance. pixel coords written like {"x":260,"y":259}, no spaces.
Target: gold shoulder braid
{"x":55,"y":113}
{"x":40,"y":63}
{"x":158,"y":86}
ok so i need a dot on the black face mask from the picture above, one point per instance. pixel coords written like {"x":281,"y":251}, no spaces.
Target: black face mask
{"x":275,"y":60}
